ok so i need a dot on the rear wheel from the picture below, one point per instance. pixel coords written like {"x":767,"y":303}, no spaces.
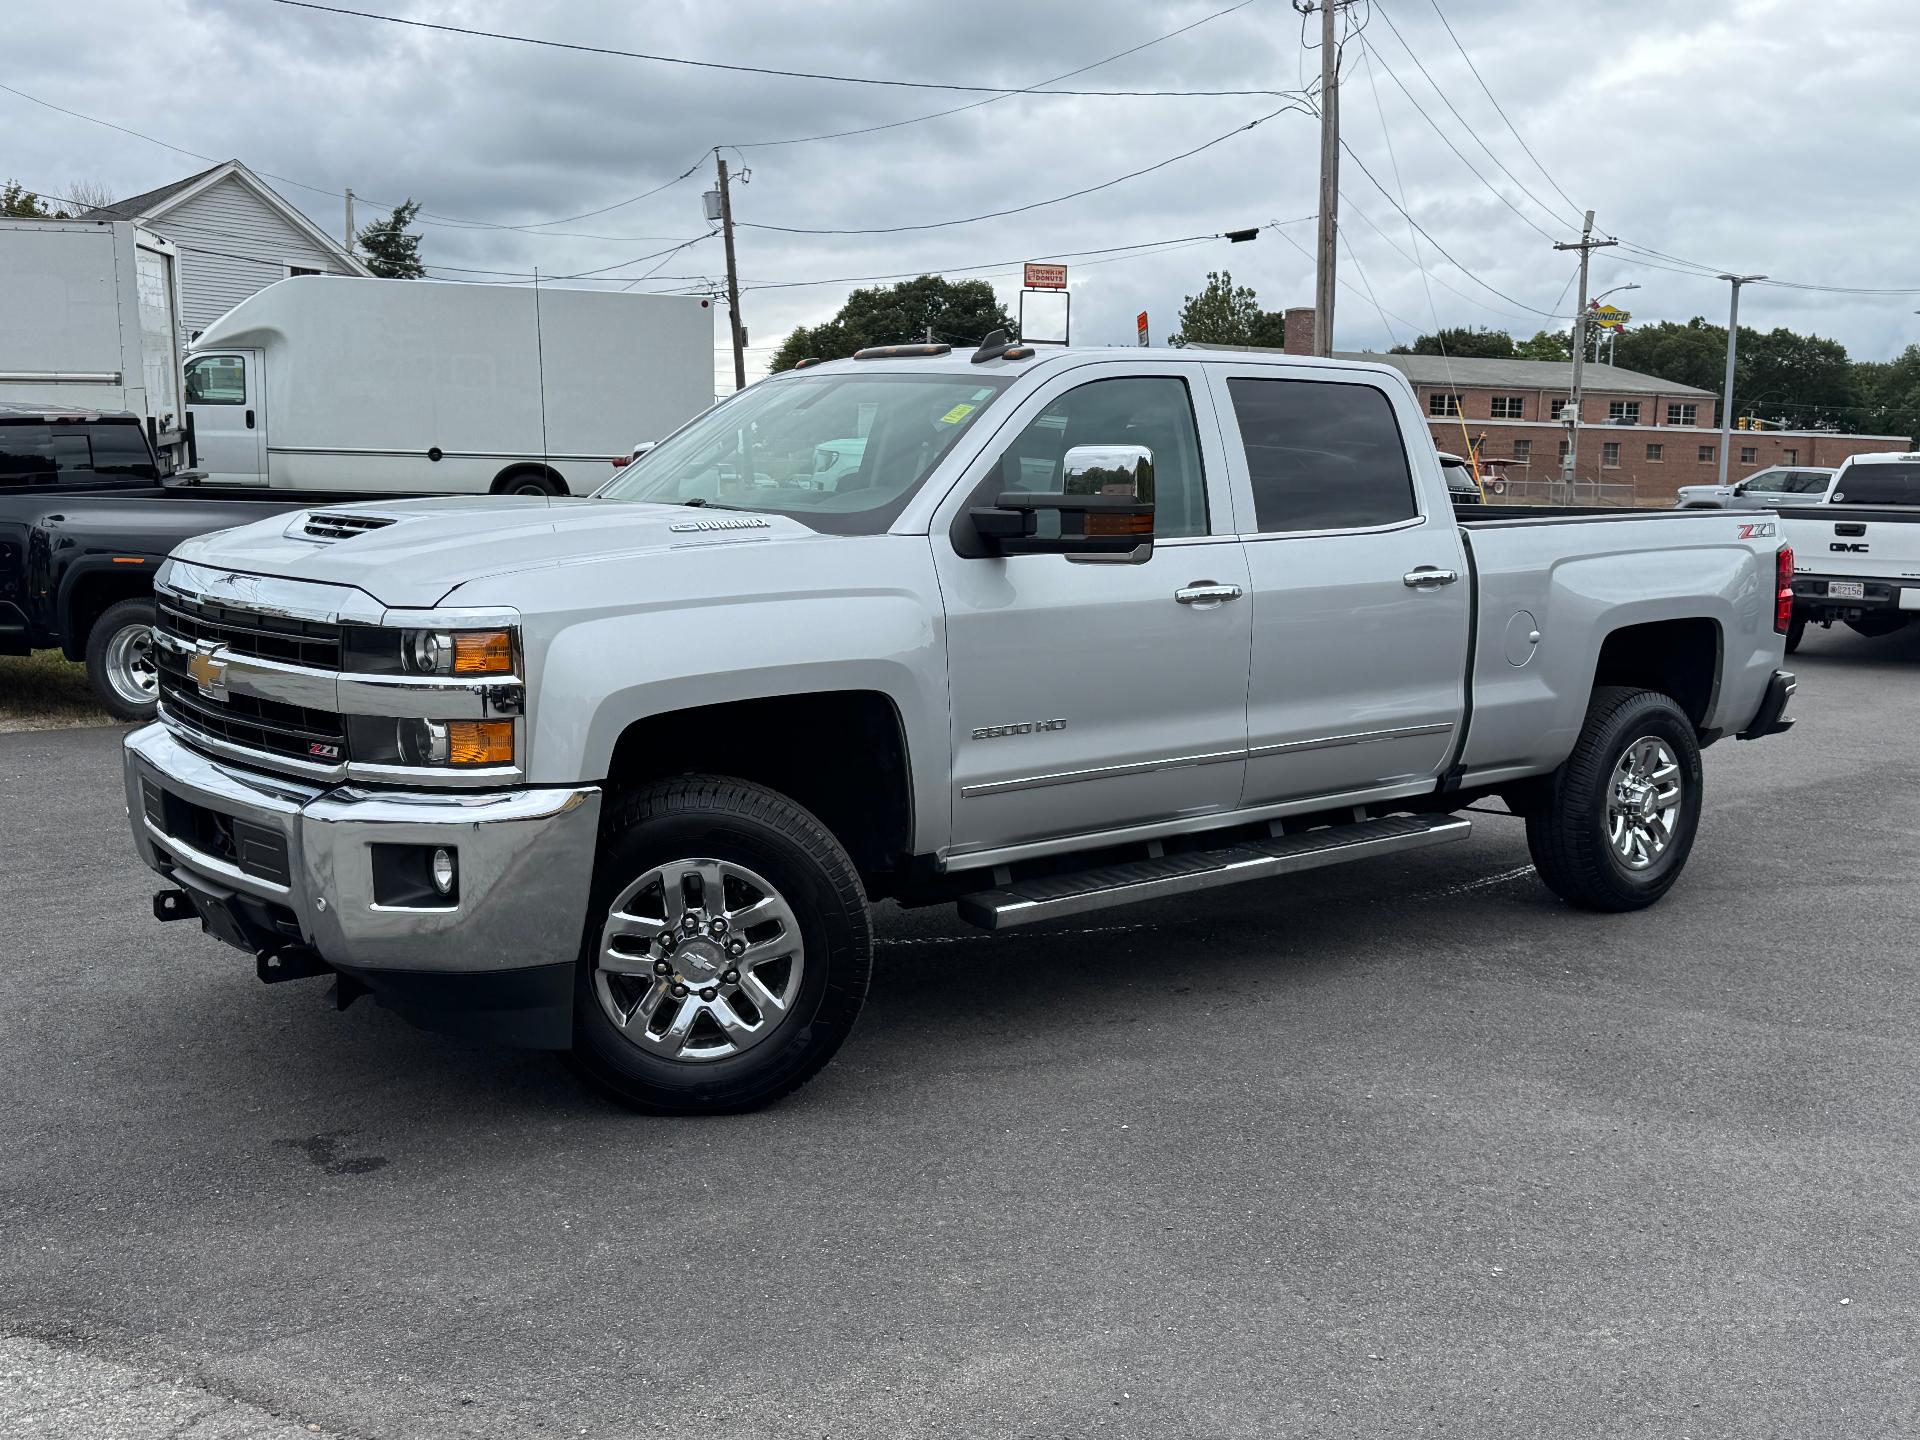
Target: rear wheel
{"x":120,"y":661}
{"x":528,"y":482}
{"x":1620,"y":815}
{"x":1795,"y":632}
{"x":727,"y":952}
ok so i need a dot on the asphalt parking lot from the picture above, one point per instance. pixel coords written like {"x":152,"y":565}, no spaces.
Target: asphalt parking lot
{"x":1403,"y":1149}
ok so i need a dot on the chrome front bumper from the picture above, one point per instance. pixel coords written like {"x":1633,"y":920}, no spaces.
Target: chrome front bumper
{"x":300,"y":860}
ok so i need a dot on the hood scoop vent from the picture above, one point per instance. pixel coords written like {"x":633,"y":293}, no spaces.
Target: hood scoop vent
{"x":342,"y":527}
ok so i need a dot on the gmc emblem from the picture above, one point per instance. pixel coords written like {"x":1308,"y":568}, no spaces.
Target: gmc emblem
{"x":1845,"y":547}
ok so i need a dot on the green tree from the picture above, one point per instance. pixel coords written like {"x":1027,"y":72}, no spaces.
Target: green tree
{"x":19,"y":203}
{"x":960,"y":312}
{"x":1461,"y":342}
{"x":1227,"y":314}
{"x":1545,"y":345}
{"x":390,"y":250}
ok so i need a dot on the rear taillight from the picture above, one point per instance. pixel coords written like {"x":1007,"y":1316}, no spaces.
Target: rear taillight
{"x":1783,"y":590}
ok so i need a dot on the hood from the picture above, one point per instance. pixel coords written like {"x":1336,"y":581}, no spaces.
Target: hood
{"x":411,"y":553}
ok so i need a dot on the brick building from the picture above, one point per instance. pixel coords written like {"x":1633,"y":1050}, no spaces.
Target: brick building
{"x":1635,"y":430}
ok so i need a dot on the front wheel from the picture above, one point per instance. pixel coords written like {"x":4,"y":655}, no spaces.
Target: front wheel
{"x":1620,"y":815}
{"x":120,"y":661}
{"x":727,"y":951}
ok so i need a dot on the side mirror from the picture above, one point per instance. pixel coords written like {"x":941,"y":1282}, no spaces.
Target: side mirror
{"x":1105,"y":508}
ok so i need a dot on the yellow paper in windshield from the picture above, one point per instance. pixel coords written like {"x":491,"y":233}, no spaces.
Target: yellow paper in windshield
{"x":956,"y":414}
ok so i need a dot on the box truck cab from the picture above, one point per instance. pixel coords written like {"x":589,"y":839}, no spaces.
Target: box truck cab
{"x":325,"y":382}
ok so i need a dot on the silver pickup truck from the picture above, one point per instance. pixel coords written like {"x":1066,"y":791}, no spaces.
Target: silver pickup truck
{"x":1077,"y":628}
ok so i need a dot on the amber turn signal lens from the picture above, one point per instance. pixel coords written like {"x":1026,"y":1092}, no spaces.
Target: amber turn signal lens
{"x":482,"y":652}
{"x":480,"y":742}
{"x":1099,"y":524}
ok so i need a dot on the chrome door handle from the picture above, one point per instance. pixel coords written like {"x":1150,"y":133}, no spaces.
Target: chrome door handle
{"x":1428,"y":575}
{"x":1206,"y":592}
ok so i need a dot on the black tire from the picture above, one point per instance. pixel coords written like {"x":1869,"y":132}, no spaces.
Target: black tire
{"x":528,"y":482}
{"x":1567,"y":834}
{"x":108,"y":672}
{"x":730,"y":820}
{"x":1795,"y":632}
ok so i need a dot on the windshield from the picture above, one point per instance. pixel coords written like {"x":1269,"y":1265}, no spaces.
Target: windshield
{"x":843,"y":453}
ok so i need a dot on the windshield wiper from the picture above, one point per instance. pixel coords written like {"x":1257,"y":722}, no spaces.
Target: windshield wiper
{"x":700,"y":502}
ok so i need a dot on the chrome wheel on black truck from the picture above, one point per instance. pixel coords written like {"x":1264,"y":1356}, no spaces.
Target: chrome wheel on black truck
{"x":1616,"y":822}
{"x":727,"y":952}
{"x":120,"y":664}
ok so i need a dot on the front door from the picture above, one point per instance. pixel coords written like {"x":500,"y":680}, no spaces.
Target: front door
{"x":1092,"y":695}
{"x":1361,"y":599}
{"x":226,"y":398}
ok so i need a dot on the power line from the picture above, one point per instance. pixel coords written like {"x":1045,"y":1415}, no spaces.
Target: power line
{"x":425,"y":217}
{"x":608,"y":50}
{"x":1035,"y":88}
{"x":1492,"y":189}
{"x":1497,"y":109}
{"x":1018,"y":209}
{"x":1412,"y":55}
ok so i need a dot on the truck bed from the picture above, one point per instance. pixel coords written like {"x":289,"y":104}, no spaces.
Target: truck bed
{"x":1479,"y":517}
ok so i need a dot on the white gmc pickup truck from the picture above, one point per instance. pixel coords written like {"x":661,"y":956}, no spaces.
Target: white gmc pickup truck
{"x":1858,"y":554}
{"x":1069,"y":629}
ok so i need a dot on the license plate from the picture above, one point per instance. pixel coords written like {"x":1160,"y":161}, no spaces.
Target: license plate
{"x":1846,"y":590}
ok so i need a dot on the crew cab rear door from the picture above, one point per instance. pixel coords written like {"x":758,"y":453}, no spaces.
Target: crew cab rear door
{"x":1361,"y":595}
{"x":1089,"y":695}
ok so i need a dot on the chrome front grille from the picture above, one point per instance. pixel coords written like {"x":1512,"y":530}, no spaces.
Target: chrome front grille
{"x":295,"y":732}
{"x":312,"y":643}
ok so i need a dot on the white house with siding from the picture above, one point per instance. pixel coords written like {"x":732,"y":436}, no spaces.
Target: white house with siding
{"x":235,"y":237}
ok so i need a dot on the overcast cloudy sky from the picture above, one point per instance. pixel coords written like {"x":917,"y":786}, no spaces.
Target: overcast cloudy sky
{"x":1771,"y":136}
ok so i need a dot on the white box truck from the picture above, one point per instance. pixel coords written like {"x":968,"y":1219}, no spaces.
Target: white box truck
{"x":325,"y":382}
{"x":90,"y":320}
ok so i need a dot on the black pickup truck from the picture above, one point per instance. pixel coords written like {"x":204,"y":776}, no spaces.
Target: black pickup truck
{"x":85,"y":520}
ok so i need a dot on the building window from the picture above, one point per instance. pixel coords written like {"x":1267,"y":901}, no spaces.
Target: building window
{"x":1749,"y":454}
{"x":1610,"y":455}
{"x":1509,"y":407}
{"x":1627,"y":412}
{"x":1558,"y":406}
{"x":303,"y":270}
{"x":1523,"y":451}
{"x":1790,"y":457}
{"x":1441,"y":403}
{"x":1681,"y":414}
{"x":1706,"y":454}
{"x":1656,"y":453}
{"x":1564,"y":448}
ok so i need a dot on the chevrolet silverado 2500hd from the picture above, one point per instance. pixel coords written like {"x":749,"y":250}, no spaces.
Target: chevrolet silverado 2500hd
{"x":622,"y":774}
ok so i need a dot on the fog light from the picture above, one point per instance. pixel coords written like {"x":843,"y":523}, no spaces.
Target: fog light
{"x":443,"y":875}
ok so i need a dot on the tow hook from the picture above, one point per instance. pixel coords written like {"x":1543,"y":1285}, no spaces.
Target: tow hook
{"x":173,"y":905}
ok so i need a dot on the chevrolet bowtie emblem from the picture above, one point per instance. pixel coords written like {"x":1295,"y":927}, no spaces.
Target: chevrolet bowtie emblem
{"x":209,"y":671}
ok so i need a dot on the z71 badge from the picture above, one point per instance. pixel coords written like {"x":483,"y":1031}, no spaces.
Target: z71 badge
{"x":1759,"y":530}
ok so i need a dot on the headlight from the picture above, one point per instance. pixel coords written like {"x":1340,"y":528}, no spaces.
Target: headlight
{"x":431,"y":744}
{"x":453,"y":653}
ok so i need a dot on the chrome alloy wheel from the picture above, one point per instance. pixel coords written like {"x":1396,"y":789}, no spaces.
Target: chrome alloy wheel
{"x":699,"y":960}
{"x":1643,"y":803}
{"x":130,"y":665}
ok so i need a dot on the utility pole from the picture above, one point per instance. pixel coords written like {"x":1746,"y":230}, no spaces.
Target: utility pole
{"x":733,"y":279}
{"x":1323,"y":259}
{"x":1733,"y":344}
{"x":349,"y":220}
{"x":1586,"y":246}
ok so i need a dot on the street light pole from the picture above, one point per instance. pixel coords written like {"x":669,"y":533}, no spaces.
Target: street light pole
{"x":1733,"y":344}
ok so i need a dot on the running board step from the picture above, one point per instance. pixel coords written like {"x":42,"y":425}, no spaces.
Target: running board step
{"x":1053,"y":897}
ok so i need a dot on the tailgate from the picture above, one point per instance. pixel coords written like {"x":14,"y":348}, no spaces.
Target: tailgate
{"x":1867,"y":544}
